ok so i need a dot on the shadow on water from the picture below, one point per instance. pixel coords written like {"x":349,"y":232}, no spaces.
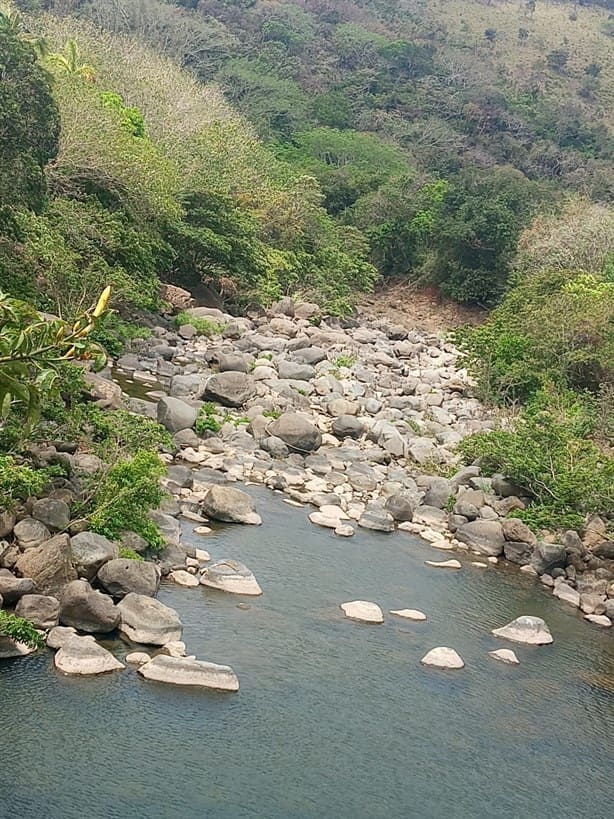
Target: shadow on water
{"x":334,"y":718}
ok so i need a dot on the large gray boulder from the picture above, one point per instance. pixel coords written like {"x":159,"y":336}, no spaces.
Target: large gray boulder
{"x":88,"y":610}
{"x":297,"y":432}
{"x":49,"y":565}
{"x":42,"y":610}
{"x":548,"y":556}
{"x":484,"y":536}
{"x":310,"y":355}
{"x":517,"y":551}
{"x":231,"y":576}
{"x":438,"y":493}
{"x":175,"y":414}
{"x":230,"y":505}
{"x":402,"y":506}
{"x":169,"y":527}
{"x":55,"y":514}
{"x":146,"y":620}
{"x":12,"y":588}
{"x":83,"y":656}
{"x":347,"y":426}
{"x":515,"y":529}
{"x":30,"y":533}
{"x":378,"y":520}
{"x":188,"y":671}
{"x":294,"y":371}
{"x":231,"y":389}
{"x":90,"y":551}
{"x":232,"y":362}
{"x":120,"y":577}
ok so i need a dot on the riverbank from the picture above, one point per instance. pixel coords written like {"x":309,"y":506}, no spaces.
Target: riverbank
{"x":356,"y":422}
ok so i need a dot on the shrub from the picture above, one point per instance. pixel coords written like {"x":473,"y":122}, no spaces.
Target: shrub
{"x":126,"y":495}
{"x":207,"y":421}
{"x":119,"y":432}
{"x":19,"y":482}
{"x":130,"y":554}
{"x":20,"y":630}
{"x":203,"y":326}
{"x":548,"y":455}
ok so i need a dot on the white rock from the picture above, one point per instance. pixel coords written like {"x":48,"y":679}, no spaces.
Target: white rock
{"x":184,"y":578}
{"x":232,"y":577}
{"x":333,"y":512}
{"x":60,"y":635}
{"x":291,"y":502}
{"x":203,"y":530}
{"x":323,"y":520}
{"x":83,"y":656}
{"x":364,"y":611}
{"x":202,"y":555}
{"x":443,"y":564}
{"x":599,"y":620}
{"x":344,"y":530}
{"x":566,"y":593}
{"x":409,"y":614}
{"x":189,"y":671}
{"x":443,"y":657}
{"x":505,"y":655}
{"x":526,"y":629}
{"x":176,"y":648}
{"x":137,"y":657}
{"x":479,"y":565}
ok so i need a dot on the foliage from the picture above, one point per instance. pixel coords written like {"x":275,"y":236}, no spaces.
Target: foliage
{"x":549,"y":456}
{"x":125,"y":496}
{"x":119,"y":433}
{"x":18,"y":482}
{"x":202,"y":325}
{"x":207,"y":421}
{"x":20,"y":630}
{"x":130,"y":554}
{"x":33,"y":348}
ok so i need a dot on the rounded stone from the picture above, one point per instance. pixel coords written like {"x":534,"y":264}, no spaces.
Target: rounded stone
{"x":443,"y":657}
{"x":363,"y":611}
{"x":526,"y":629}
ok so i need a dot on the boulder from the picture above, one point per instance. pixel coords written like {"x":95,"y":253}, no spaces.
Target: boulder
{"x":83,"y":656}
{"x":54,"y":514}
{"x":409,"y":614}
{"x":90,"y":551}
{"x":232,"y":362}
{"x":146,"y":620}
{"x":175,"y":414}
{"x":120,"y":577}
{"x":378,"y":520}
{"x":106,"y":393}
{"x":526,"y":629}
{"x":231,"y":389}
{"x":12,"y":648}
{"x":565,"y":592}
{"x":188,"y":671}
{"x":12,"y":588}
{"x":49,"y":565}
{"x":517,"y":552}
{"x":504,"y":655}
{"x":169,"y":527}
{"x":310,"y":355}
{"x":363,"y":610}
{"x":230,"y":576}
{"x":347,"y":426}
{"x":402,"y":506}
{"x":88,"y":610}
{"x":297,"y":432}
{"x":230,"y":505}
{"x":515,"y":529}
{"x":183,"y":578}
{"x":548,"y":556}
{"x":294,"y":371}
{"x":30,"y":533}
{"x":60,"y":635}
{"x":443,"y":657}
{"x":605,"y":550}
{"x":137,"y":658}
{"x":41,"y":610}
{"x":599,"y":620}
{"x":484,"y":536}
{"x":7,"y":522}
{"x":438,"y":493}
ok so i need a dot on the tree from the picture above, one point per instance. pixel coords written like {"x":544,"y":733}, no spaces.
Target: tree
{"x":70,"y":62}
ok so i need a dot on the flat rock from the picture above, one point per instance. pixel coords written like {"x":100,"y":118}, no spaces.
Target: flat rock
{"x":505,"y":655}
{"x":184,"y":578}
{"x":137,"y":658}
{"x":526,"y":629}
{"x":443,"y":564}
{"x":230,"y":576}
{"x":83,"y":656}
{"x":60,"y":635}
{"x":443,"y":657}
{"x":409,"y":614}
{"x":564,"y":592}
{"x":188,"y":671}
{"x":363,"y":610}
{"x":599,"y":620}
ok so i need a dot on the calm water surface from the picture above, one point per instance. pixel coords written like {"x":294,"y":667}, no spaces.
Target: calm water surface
{"x":334,"y":719}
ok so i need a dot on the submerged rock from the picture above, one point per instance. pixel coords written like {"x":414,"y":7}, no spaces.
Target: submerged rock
{"x":83,"y":655}
{"x":443,"y":564}
{"x":183,"y":578}
{"x":230,"y":576}
{"x":526,"y":629}
{"x":443,"y":657}
{"x":409,"y":614}
{"x":364,"y":611}
{"x":187,"y":671}
{"x":505,"y":655}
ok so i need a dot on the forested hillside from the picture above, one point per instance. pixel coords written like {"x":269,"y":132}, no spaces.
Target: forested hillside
{"x":437,"y":129}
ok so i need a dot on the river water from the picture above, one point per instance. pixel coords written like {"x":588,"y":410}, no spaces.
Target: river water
{"x":334,"y":719}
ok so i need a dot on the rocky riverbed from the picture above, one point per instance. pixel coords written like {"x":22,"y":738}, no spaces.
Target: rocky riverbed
{"x":355,"y":422}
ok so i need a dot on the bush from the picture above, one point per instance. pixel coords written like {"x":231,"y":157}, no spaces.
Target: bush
{"x":19,"y":482}
{"x":20,"y":630}
{"x":207,"y":421}
{"x":548,"y":455}
{"x":130,"y":554}
{"x":203,"y":326}
{"x":119,"y":432}
{"x":126,"y":495}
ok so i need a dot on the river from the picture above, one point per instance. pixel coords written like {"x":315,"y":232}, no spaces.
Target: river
{"x":334,"y":719}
